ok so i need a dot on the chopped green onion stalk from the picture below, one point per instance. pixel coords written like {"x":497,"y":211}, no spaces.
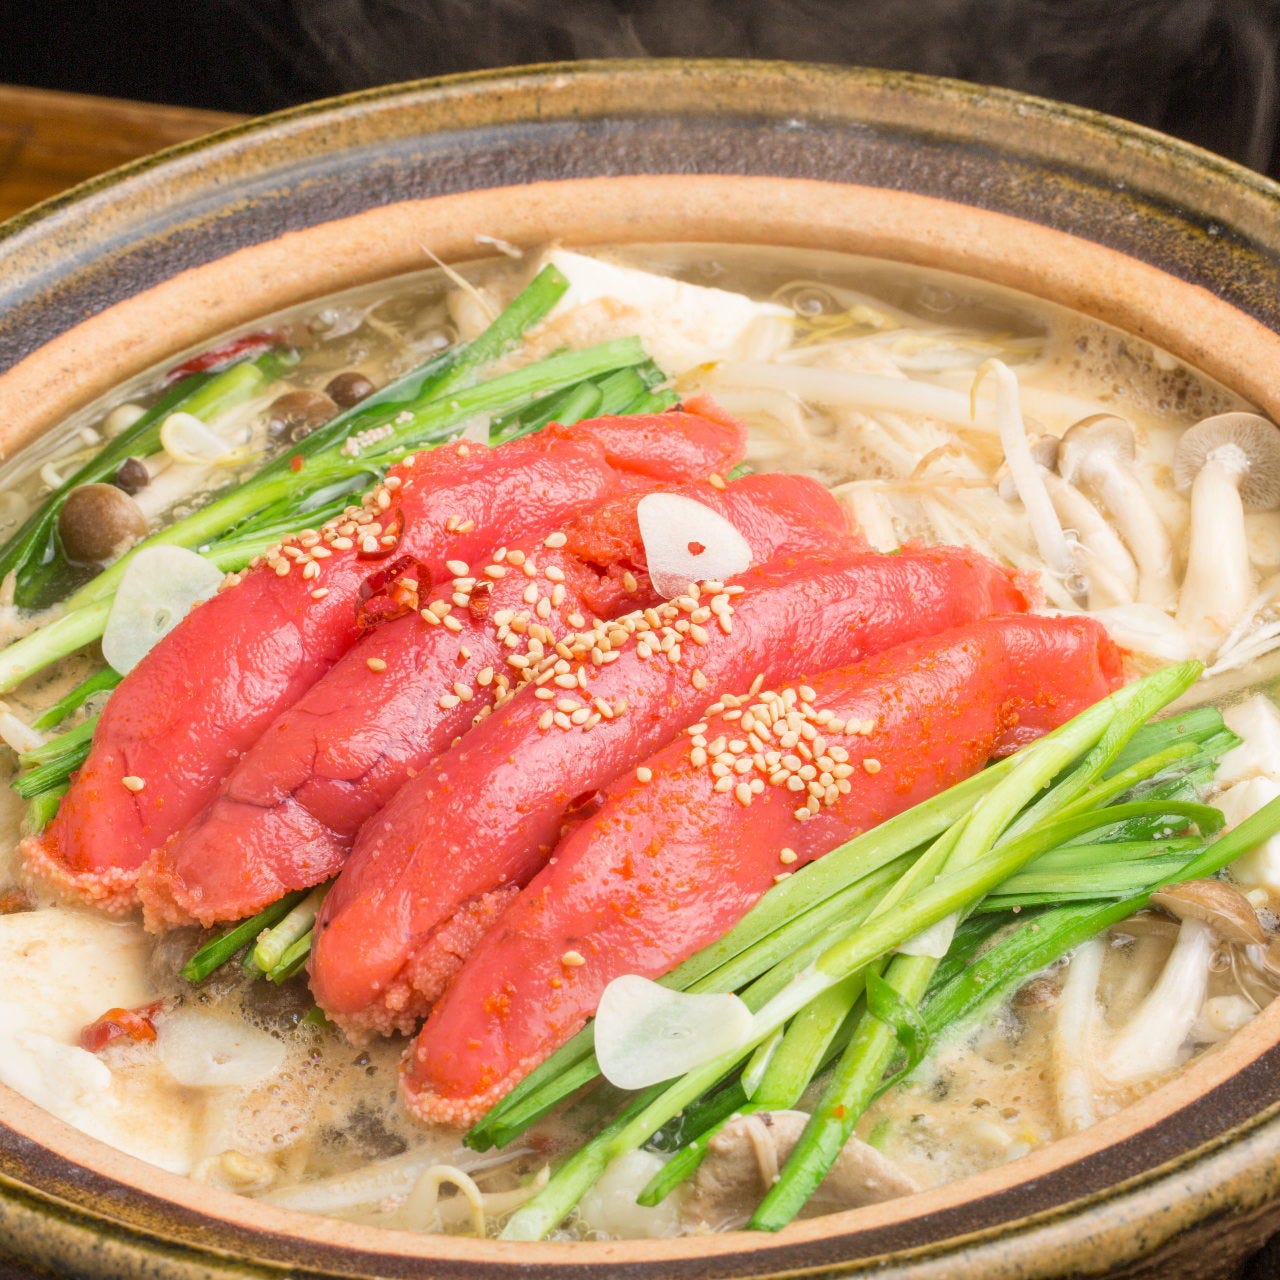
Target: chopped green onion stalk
{"x":273,"y":946}
{"x":213,"y":955}
{"x":32,"y":553}
{"x":102,"y":681}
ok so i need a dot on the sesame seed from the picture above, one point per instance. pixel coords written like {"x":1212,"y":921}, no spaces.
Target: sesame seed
{"x":644,"y":774}
{"x":742,"y":793}
{"x":545,"y":720}
{"x":781,"y":876}
{"x":629,"y":582}
{"x":457,"y":568}
{"x":452,"y":623}
{"x":466,"y":526}
{"x":369,"y":545}
{"x":485,"y":678}
{"x":787,"y":856}
{"x":555,"y":540}
{"x":573,"y":959}
{"x":716,"y":480}
{"x":319,"y":593}
{"x":495,"y":571}
{"x":871,"y":765}
{"x":132,"y":783}
{"x":449,"y":701}
{"x":376,"y":664}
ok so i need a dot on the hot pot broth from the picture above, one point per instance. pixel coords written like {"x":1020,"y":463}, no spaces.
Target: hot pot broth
{"x":244,"y":1087}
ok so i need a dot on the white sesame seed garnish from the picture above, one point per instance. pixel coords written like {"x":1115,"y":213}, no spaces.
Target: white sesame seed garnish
{"x":787,"y":856}
{"x":319,"y":593}
{"x":376,"y":664}
{"x":448,"y":701}
{"x":871,"y":764}
{"x":452,"y":623}
{"x":132,"y":782}
{"x":573,"y":959}
{"x":644,"y":774}
{"x":555,"y":540}
{"x":457,"y":568}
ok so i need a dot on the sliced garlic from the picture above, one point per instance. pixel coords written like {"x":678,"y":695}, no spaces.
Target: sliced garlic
{"x":686,"y":542}
{"x":645,"y":1033}
{"x":208,"y":1052}
{"x":186,"y":439}
{"x":161,"y":585}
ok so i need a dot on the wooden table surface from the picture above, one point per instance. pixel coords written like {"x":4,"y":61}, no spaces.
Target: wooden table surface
{"x":50,"y":141}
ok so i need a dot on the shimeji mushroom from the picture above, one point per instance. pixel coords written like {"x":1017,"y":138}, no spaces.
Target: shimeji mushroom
{"x":1025,"y":474}
{"x":1097,"y":454}
{"x":1109,"y":571}
{"x":1230,"y":463}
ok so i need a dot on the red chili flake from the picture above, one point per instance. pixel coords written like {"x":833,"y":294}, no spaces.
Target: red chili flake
{"x":838,"y":1111}
{"x":393,"y":529}
{"x":295,"y":463}
{"x":14,"y":901}
{"x":137,"y":1024}
{"x":392,"y":591}
{"x":242,"y":348}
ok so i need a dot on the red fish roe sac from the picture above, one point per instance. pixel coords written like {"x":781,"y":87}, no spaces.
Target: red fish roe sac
{"x":420,"y":884}
{"x":205,"y":694}
{"x":287,"y":813}
{"x":767,"y":781}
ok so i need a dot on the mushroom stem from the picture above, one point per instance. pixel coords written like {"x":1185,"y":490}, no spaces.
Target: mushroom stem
{"x":1150,"y":1043}
{"x":1105,"y":562}
{"x":1129,"y":507}
{"x":1024,"y":471}
{"x":1218,"y":582}
{"x":1073,"y":1037}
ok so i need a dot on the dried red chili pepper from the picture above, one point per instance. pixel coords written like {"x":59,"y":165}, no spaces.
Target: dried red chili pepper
{"x":136,"y":1024}
{"x":241,"y":348}
{"x":392,"y":592}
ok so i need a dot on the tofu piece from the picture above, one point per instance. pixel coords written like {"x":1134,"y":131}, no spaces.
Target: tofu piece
{"x":1257,"y":721}
{"x":63,"y":969}
{"x":681,"y":325}
{"x":1260,"y":867}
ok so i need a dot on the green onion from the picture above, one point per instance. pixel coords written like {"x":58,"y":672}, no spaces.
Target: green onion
{"x":215,"y":954}
{"x":981,"y":863}
{"x":32,"y":553}
{"x":50,"y":765}
{"x":273,"y":945}
{"x":41,"y":809}
{"x":100,"y":682}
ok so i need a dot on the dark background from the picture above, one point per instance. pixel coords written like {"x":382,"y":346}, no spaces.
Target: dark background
{"x":1203,"y":70}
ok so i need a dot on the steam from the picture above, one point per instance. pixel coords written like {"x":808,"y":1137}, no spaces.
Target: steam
{"x":1202,"y":69}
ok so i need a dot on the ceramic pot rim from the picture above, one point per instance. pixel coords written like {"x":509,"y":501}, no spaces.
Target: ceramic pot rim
{"x":1244,"y":328}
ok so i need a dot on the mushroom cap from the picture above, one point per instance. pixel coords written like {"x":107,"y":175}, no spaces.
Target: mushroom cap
{"x":1100,"y":434}
{"x":1219,"y":905}
{"x":1254,"y":436}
